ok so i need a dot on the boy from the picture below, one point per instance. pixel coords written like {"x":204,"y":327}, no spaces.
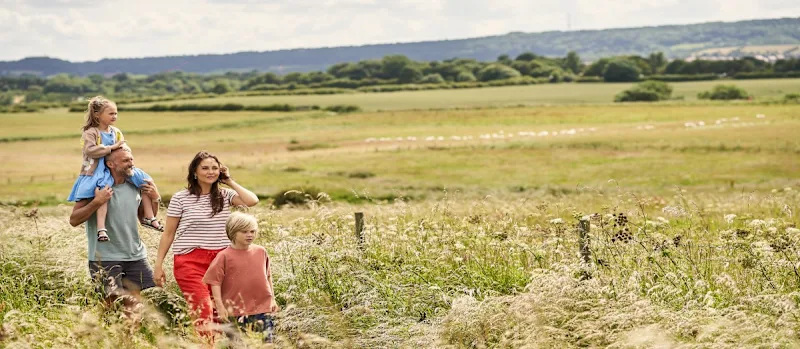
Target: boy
{"x":241,"y":279}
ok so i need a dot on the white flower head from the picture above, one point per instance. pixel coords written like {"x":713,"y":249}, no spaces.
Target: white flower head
{"x":729,"y":218}
{"x":557,"y":221}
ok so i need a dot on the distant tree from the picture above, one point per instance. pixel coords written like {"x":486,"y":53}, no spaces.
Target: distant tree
{"x":294,"y":77}
{"x":674,"y":67}
{"x":336,"y":69}
{"x":642,"y":63}
{"x":525,"y":57}
{"x":657,"y":61}
{"x":409,"y":74}
{"x":597,"y":68}
{"x":121,"y":77}
{"x":572,"y":62}
{"x":394,"y":66}
{"x":432,"y":79}
{"x":465,"y":76}
{"x":317,"y":77}
{"x":504,"y":59}
{"x":621,"y":70}
{"x":221,"y":87}
{"x":353,"y":71}
{"x":497,"y":72}
{"x":523,"y":67}
{"x":371,"y":68}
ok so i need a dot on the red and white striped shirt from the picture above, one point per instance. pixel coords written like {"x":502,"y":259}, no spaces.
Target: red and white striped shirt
{"x":197,"y":229}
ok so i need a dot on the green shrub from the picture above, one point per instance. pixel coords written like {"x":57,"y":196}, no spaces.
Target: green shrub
{"x":497,"y":72}
{"x":792,"y":98}
{"x":343,"y":108}
{"x":648,"y":91}
{"x":724,"y":92}
{"x":466,"y":76}
{"x":361,"y":174}
{"x":432,"y":79}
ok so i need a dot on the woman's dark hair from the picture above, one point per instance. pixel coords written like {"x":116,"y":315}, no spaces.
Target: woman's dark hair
{"x":217,"y":201}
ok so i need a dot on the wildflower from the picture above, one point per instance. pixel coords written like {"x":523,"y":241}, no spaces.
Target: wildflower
{"x":791,"y":230}
{"x":757,"y":223}
{"x":459,"y":246}
{"x":675,"y":211}
{"x":729,"y":218}
{"x":760,"y":116}
{"x":787,"y":189}
{"x":557,"y":221}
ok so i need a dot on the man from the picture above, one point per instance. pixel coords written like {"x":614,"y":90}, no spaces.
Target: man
{"x":119,"y":265}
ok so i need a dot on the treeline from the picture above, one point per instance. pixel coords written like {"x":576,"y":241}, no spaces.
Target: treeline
{"x":392,"y":73}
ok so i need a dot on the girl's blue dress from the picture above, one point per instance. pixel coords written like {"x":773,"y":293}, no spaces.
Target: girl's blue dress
{"x":84,"y":185}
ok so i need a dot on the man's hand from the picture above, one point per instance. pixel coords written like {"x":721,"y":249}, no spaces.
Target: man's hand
{"x":84,"y":209}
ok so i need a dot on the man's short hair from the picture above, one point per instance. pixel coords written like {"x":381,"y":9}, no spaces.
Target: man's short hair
{"x":120,"y":149}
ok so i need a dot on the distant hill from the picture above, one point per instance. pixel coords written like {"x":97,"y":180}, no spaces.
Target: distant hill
{"x":676,"y":41}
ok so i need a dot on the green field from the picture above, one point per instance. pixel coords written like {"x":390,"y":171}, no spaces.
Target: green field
{"x":270,"y":152}
{"x":503,"y":96}
{"x":481,"y":250}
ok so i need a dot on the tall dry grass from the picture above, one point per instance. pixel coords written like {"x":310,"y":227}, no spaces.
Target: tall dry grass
{"x":696,"y":271}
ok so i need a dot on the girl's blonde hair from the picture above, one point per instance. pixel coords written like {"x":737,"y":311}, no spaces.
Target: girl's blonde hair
{"x":239,"y":221}
{"x":93,"y":110}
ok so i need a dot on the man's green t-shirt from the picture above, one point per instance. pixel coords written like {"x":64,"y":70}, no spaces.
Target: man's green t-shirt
{"x":122,"y":222}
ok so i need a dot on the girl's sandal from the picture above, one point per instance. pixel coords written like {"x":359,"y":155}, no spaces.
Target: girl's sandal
{"x":102,"y":235}
{"x":148,"y":222}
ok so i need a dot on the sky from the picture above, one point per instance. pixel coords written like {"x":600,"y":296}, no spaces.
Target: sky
{"x":83,"y":30}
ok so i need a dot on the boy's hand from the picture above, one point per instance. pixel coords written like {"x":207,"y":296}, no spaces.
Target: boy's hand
{"x":222,"y":312}
{"x":273,"y":306}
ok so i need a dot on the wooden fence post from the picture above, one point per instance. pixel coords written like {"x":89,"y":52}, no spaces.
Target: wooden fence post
{"x":360,"y":228}
{"x":586,"y":253}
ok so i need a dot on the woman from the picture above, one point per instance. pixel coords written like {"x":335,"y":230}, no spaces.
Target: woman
{"x":197,"y":215}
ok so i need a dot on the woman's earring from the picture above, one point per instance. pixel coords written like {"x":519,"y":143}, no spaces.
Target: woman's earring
{"x":195,"y":176}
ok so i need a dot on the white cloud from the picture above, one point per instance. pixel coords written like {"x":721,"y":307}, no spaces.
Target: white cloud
{"x":82,"y":30}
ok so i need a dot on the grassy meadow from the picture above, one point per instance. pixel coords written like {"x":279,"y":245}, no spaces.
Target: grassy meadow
{"x":470,"y":238}
{"x":565,"y":93}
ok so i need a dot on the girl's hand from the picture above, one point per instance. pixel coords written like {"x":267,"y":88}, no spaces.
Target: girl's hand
{"x":158,"y":276}
{"x":118,"y":145}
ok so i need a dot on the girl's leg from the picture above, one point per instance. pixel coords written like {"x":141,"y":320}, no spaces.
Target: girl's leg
{"x":149,"y":214}
{"x":102,"y":233}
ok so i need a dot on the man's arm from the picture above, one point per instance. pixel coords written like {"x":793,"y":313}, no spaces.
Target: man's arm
{"x":84,"y":209}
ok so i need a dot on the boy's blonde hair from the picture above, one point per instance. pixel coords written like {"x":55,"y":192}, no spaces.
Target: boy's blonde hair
{"x":94,"y":109}
{"x":239,"y":221}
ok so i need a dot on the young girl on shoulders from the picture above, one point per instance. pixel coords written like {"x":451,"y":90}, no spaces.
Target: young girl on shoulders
{"x":98,"y":140}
